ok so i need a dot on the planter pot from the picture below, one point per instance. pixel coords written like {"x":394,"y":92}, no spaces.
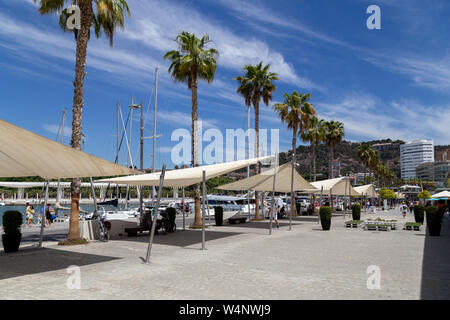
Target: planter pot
{"x":356,"y":216}
{"x":419,"y":218}
{"x":326,"y":224}
{"x":219,"y":219}
{"x":11,"y":242}
{"x":434,"y":230}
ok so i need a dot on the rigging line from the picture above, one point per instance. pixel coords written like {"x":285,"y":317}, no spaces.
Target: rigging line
{"x":120,"y":145}
{"x":123,"y":135}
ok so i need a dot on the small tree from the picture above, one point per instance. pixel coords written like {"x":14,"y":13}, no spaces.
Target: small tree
{"x":424,"y":195}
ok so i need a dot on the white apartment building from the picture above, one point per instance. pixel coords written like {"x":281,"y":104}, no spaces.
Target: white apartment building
{"x":414,"y":153}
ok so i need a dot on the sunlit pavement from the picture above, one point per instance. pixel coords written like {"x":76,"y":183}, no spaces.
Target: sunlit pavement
{"x":241,"y":262}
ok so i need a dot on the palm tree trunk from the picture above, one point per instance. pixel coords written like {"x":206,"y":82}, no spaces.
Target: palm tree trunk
{"x":256,"y":107}
{"x":294,"y":153}
{"x":82,"y":42}
{"x":331,"y":163}
{"x":198,"y":215}
{"x":313,"y":151}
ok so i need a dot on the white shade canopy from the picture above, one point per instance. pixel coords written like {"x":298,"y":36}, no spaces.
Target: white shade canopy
{"x":442,"y":194}
{"x":367,"y":190}
{"x":186,"y":177}
{"x":23,"y":153}
{"x":337,"y":187}
{"x":264,"y":181}
{"x":54,"y":184}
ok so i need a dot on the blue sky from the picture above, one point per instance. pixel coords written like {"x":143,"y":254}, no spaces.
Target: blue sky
{"x":388,"y":83}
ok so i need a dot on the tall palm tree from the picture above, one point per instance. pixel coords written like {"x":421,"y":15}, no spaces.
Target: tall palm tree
{"x":296,"y":112}
{"x":334,"y":132}
{"x":366,"y":153}
{"x":315,"y":135}
{"x":103,"y":15}
{"x":193,"y":60}
{"x":257,"y":83}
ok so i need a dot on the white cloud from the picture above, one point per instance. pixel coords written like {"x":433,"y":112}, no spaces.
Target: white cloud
{"x":150,"y":26}
{"x":256,"y":11}
{"x":53,"y":128}
{"x":176,"y":118}
{"x":367,"y":117}
{"x":425,"y":72}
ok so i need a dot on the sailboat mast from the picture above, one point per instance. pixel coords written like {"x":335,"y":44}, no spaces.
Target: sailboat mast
{"x":154,"y":118}
{"x":155,"y":108}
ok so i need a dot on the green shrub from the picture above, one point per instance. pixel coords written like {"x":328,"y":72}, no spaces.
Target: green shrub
{"x":356,"y":211}
{"x":218,"y":215}
{"x":419,"y":213}
{"x":171,"y":213}
{"x":12,"y":221}
{"x":325,"y":213}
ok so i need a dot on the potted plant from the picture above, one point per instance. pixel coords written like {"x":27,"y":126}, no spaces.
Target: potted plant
{"x":298,"y":208}
{"x":419,"y":212}
{"x":325,"y":217}
{"x":434,"y":220}
{"x":218,"y":215}
{"x":356,"y":211}
{"x":12,"y":221}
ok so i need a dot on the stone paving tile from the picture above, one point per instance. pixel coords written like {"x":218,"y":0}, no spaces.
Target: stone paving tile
{"x":247,"y":263}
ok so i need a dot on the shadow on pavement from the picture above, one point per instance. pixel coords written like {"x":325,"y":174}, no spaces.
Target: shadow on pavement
{"x":37,"y":260}
{"x":261,"y":224}
{"x":180,"y":238}
{"x":436,"y":265}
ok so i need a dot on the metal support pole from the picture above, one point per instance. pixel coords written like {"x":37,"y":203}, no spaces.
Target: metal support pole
{"x":155,"y":213}
{"x":155,"y":109}
{"x":203,"y":210}
{"x":292,"y":192}
{"x":184,"y":212}
{"x":321,"y":202}
{"x":141,"y":193}
{"x":345,"y":196}
{"x":43,"y":217}
{"x":273,"y":194}
{"x":93,"y":197}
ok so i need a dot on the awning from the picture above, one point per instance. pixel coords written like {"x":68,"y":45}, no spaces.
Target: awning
{"x":23,"y":153}
{"x":264,"y":181}
{"x":186,"y":177}
{"x":54,"y":184}
{"x":367,"y":190}
{"x":337,"y":187}
{"x":442,"y":194}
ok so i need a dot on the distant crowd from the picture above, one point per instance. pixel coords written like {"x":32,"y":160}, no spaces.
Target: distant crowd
{"x":32,"y":218}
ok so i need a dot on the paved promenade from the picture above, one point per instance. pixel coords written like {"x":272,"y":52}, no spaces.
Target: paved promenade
{"x":241,"y":262}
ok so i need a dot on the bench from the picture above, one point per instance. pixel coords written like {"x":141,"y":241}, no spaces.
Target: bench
{"x":411,"y":226}
{"x":353,"y":223}
{"x":132,"y":232}
{"x":377,"y":227}
{"x":234,"y":220}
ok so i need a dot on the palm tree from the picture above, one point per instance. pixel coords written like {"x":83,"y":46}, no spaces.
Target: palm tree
{"x":104,"y":15}
{"x":366,"y":153}
{"x":257,"y":83}
{"x":334,"y":132}
{"x":296,"y":112}
{"x":193,"y":60}
{"x":315,"y":135}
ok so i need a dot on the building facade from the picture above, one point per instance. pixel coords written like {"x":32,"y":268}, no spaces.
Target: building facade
{"x":438,"y":172}
{"x":412,"y":154}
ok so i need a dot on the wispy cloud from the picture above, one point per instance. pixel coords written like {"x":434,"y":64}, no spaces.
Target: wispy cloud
{"x":425,"y":72}
{"x":367,"y":117}
{"x":176,"y":118}
{"x":149,"y":26}
{"x":53,"y":128}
